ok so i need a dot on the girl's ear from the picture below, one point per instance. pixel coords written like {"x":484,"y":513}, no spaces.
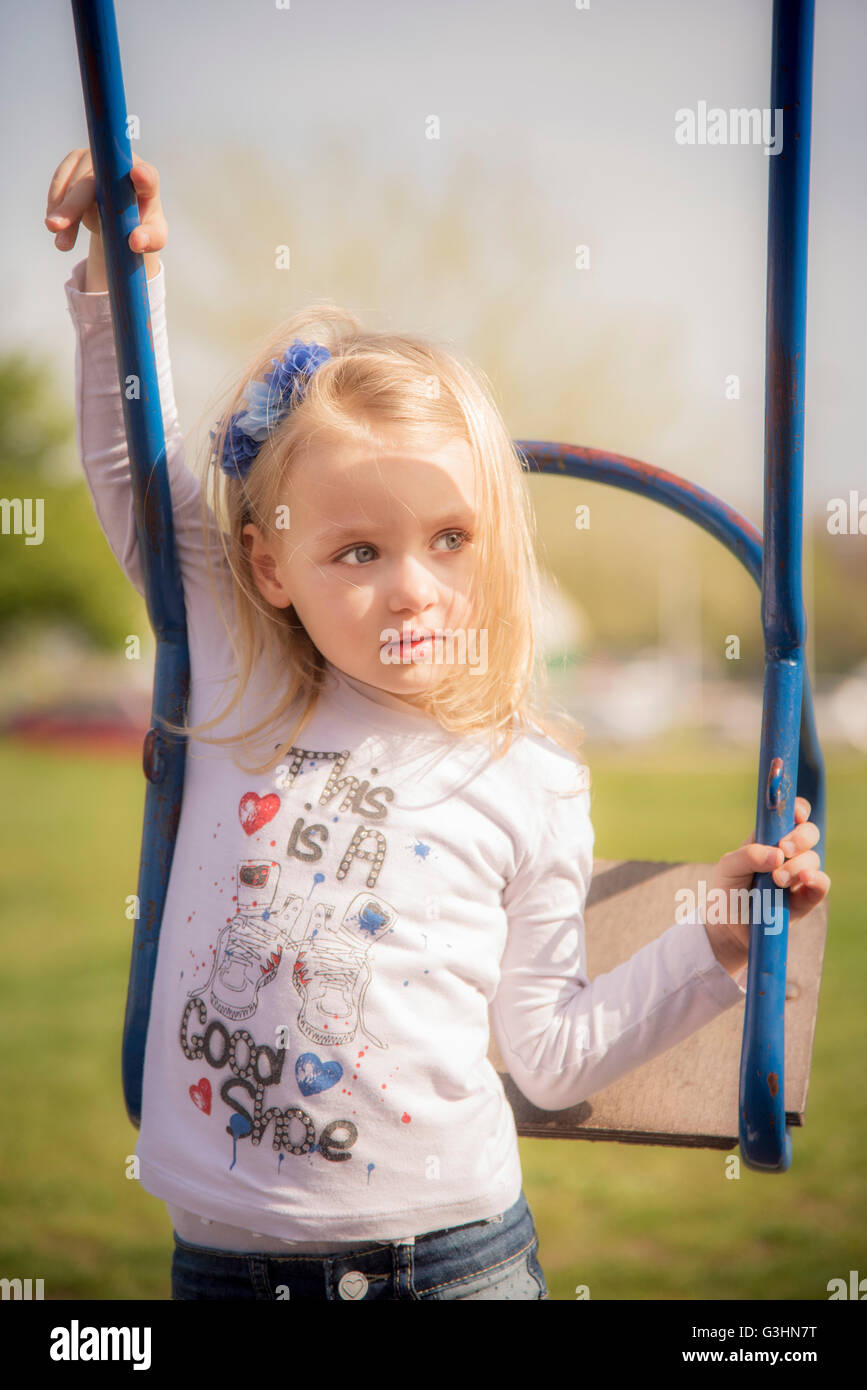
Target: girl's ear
{"x":263,"y":567}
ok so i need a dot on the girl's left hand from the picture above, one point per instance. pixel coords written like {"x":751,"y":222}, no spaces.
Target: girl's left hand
{"x":795,"y":865}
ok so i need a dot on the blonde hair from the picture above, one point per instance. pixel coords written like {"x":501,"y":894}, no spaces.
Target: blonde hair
{"x":384,"y":382}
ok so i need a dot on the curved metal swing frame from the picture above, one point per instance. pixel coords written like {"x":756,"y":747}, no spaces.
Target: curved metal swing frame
{"x":790,"y":758}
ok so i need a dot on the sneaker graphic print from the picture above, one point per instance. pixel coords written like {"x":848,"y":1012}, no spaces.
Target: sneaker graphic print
{"x":250,"y":947}
{"x":332,"y":971}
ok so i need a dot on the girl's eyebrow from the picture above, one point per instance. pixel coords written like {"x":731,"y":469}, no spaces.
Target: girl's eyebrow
{"x":465,"y":519}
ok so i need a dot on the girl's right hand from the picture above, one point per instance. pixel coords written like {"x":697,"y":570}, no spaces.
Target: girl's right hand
{"x":72,"y":201}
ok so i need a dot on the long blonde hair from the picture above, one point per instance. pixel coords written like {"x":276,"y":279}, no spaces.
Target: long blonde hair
{"x":384,"y":381}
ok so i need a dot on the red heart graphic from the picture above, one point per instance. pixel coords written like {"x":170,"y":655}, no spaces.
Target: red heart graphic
{"x":201,"y":1095}
{"x":255,"y":811}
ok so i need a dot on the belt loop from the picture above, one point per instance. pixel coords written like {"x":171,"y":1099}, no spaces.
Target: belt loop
{"x":402,"y":1257}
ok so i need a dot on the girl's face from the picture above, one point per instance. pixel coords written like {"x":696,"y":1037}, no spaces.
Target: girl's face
{"x":377,"y":544}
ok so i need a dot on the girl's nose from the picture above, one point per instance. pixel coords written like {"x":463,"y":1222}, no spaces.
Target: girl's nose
{"x":412,"y":586}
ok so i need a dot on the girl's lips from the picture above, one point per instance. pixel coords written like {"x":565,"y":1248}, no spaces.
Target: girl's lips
{"x":401,"y":646}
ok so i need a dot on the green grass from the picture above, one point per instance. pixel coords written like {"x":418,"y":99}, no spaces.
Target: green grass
{"x":628,"y":1221}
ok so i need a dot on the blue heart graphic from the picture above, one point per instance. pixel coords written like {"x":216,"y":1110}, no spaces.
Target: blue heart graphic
{"x":314,"y":1075}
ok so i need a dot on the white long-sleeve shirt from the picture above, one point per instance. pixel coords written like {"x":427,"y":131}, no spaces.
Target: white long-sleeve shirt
{"x":338,"y":934}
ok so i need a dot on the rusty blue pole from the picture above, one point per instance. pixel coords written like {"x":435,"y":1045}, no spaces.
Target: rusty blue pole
{"x":765,"y":1140}
{"x":164,"y":755}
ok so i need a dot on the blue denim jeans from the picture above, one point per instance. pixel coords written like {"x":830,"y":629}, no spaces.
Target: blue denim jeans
{"x":491,"y":1259}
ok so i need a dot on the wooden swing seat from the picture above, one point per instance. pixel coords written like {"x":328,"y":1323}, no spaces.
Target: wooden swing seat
{"x":688,"y":1096}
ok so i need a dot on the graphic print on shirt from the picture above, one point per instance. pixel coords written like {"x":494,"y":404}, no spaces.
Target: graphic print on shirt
{"x":320,"y":943}
{"x":331,"y":970}
{"x":250,"y":947}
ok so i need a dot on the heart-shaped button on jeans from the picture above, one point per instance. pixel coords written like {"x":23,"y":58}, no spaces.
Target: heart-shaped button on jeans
{"x":353,"y":1285}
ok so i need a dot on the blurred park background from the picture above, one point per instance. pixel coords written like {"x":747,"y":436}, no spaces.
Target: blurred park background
{"x":309,"y":127}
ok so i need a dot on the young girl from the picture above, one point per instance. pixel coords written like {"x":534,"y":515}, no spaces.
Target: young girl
{"x":383,"y":842}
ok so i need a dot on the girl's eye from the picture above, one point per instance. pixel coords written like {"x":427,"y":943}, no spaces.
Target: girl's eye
{"x":356,"y":548}
{"x":344,"y":558}
{"x":449,"y":534}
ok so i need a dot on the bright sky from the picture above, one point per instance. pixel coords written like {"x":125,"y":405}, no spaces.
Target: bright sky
{"x":571,"y":116}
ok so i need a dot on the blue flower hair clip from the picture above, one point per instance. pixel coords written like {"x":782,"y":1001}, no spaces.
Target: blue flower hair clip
{"x":268,"y":402}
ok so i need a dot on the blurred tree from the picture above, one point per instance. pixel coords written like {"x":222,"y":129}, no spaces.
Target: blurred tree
{"x":72,"y":577}
{"x":33,"y":428}
{"x":840,"y":586}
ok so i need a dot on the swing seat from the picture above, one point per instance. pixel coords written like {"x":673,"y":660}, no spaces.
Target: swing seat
{"x":688,"y":1096}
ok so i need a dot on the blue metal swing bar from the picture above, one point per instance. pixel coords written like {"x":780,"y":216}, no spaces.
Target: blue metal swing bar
{"x":164,"y":754}
{"x":790,"y":756}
